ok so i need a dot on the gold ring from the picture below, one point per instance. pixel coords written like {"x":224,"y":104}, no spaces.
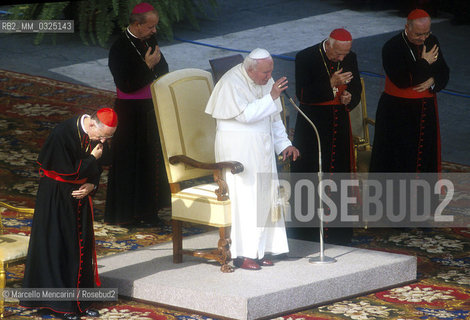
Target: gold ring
{"x":435,"y":56}
{"x":279,"y":86}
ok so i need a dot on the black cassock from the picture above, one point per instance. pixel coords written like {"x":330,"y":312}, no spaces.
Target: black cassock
{"x":406,"y":137}
{"x":312,"y":76}
{"x":332,"y":121}
{"x":137,"y":182}
{"x":61,"y":250}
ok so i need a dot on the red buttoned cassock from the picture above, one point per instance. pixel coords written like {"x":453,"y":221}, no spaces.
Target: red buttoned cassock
{"x":62,"y":246}
{"x":325,"y":110}
{"x":407,"y":137}
{"x":330,"y":116}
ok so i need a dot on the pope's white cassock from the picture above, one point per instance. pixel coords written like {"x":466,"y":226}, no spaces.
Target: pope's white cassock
{"x":250,"y":130}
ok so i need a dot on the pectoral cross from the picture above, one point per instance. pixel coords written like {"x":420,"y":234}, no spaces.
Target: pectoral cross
{"x":335,"y":91}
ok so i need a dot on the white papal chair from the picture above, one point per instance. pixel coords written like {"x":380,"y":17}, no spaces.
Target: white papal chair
{"x":187,"y":136}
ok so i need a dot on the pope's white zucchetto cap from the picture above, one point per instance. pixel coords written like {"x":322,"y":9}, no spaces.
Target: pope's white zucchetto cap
{"x":259,"y":53}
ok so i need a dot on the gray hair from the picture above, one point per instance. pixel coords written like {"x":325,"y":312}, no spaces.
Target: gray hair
{"x":94,"y":116}
{"x":331,"y":41}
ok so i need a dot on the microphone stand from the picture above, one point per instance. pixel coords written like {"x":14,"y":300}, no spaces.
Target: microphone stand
{"x":321,"y":259}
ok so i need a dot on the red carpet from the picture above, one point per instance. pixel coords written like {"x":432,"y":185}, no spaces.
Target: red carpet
{"x":31,"y":106}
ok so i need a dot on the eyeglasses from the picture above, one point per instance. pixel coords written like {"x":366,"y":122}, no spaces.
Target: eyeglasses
{"x":425,"y":34}
{"x":105,"y":137}
{"x":101,"y":137}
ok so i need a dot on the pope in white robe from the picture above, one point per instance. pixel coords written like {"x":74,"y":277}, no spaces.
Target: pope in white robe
{"x":245,"y":102}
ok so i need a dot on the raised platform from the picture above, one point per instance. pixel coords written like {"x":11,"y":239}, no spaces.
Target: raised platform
{"x":291,"y":284}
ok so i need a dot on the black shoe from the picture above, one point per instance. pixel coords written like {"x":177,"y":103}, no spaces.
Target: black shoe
{"x":92,"y":313}
{"x":70,"y":316}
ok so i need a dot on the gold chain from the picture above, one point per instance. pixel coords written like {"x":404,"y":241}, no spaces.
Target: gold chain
{"x":335,"y":90}
{"x":324,"y":62}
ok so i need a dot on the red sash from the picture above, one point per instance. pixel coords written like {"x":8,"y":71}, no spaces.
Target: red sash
{"x":55,"y":176}
{"x":408,"y":93}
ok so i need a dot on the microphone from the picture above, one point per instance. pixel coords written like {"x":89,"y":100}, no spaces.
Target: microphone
{"x":322,"y":258}
{"x":286,"y":94}
{"x":311,"y":124}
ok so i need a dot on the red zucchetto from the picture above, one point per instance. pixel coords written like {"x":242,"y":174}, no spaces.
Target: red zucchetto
{"x":107,"y":116}
{"x":142,"y":8}
{"x":341,"y":35}
{"x":418,"y":13}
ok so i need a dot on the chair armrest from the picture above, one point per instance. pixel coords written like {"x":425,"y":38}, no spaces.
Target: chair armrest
{"x":28,"y":211}
{"x":370,"y":121}
{"x":21,"y":210}
{"x":358,"y":140}
{"x":234,"y":166}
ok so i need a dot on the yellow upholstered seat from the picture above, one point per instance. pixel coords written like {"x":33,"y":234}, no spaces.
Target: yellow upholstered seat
{"x":191,"y":204}
{"x":13,"y":250}
{"x":187,"y":136}
{"x":13,"y":246}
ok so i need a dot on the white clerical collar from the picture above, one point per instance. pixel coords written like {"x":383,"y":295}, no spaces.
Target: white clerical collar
{"x":128,"y":30}
{"x":323,"y":44}
{"x":82,"y":124}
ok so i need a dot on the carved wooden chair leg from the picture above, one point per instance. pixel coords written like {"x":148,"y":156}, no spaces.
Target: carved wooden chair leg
{"x":224,"y":249}
{"x":177,"y":241}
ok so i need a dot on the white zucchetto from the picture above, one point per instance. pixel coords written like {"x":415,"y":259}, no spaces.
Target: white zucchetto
{"x":259,"y":53}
